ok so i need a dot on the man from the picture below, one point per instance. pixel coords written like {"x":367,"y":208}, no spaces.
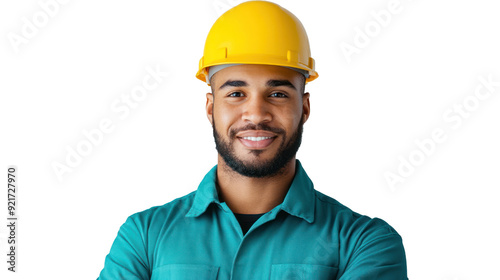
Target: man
{"x":256,"y":214}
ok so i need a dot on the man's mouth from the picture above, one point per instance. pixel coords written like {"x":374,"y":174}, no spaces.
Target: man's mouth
{"x":256,"y":139}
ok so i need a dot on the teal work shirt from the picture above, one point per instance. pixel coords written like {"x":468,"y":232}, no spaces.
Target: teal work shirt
{"x":308,"y":236}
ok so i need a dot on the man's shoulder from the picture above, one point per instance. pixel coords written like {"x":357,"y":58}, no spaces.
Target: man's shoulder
{"x":370,"y":246}
{"x":330,"y":206}
{"x":167,"y":211}
{"x":330,"y":210}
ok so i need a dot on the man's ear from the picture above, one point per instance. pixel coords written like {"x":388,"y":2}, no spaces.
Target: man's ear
{"x":209,"y":107}
{"x":306,"y":106}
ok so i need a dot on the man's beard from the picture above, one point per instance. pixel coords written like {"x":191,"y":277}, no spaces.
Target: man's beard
{"x":259,"y":168}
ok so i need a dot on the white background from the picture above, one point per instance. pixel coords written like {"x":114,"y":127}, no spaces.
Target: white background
{"x":365,"y":116}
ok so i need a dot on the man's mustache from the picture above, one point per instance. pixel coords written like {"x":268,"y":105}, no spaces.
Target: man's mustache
{"x":261,"y":126}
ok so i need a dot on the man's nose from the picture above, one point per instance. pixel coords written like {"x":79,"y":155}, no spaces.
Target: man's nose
{"x":257,"y":110}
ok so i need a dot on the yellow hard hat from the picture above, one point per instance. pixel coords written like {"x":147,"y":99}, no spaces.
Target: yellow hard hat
{"x":257,"y":32}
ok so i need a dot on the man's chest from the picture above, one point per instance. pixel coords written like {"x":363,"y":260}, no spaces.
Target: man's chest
{"x":282,"y":248}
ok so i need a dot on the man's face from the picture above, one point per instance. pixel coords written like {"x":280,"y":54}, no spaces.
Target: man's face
{"x":257,"y":113}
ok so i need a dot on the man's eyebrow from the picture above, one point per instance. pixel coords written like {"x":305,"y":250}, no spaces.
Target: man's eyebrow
{"x":277,"y":83}
{"x":236,"y":83}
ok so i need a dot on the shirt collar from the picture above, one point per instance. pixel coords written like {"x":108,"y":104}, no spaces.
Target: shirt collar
{"x":299,"y":200}
{"x":205,"y":194}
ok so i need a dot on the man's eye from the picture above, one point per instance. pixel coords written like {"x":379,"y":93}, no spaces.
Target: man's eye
{"x":235,"y":94}
{"x":278,"y":94}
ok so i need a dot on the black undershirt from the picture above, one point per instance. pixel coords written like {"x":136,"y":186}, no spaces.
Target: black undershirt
{"x":247,"y":220}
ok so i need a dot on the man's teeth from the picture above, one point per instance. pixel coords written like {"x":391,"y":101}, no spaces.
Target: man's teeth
{"x":256,"y":138}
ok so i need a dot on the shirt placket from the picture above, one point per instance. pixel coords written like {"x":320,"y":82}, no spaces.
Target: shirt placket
{"x":236,"y":273}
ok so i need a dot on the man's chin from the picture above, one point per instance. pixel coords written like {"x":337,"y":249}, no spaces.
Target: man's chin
{"x":255,"y":171}
{"x":256,"y":155}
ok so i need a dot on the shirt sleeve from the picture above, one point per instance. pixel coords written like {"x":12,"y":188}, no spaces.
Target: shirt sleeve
{"x":127,"y":258}
{"x":378,"y":254}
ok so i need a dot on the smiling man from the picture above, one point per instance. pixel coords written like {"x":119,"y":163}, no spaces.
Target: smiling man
{"x":257,"y":113}
{"x":256,"y":214}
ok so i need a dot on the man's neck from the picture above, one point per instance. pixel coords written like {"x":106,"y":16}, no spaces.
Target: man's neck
{"x":246,"y":195}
